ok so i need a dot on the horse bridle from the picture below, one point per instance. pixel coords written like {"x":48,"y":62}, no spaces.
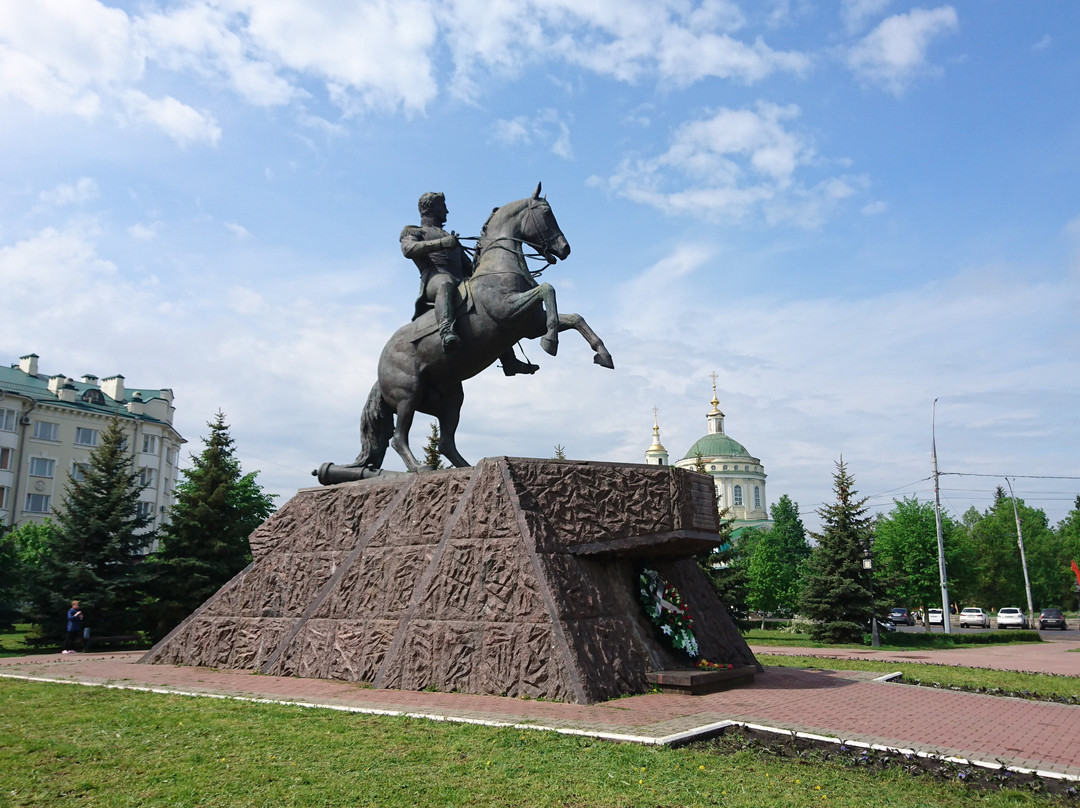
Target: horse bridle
{"x":544,"y":246}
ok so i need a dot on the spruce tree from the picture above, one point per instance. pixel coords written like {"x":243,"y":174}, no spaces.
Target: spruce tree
{"x":836,"y":594}
{"x":725,"y":568}
{"x":96,"y":551}
{"x":205,"y":542}
{"x":432,"y":456}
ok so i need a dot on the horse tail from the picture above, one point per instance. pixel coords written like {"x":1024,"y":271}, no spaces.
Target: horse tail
{"x":376,"y":429}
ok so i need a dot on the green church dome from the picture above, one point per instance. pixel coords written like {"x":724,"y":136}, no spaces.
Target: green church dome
{"x":717,"y":445}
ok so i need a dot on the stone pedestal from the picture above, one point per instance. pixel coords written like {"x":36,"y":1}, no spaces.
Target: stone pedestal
{"x":515,"y":576}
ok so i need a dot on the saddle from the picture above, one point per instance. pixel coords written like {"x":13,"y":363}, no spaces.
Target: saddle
{"x":465,"y":304}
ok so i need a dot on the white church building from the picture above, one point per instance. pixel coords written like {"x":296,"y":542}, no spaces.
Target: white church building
{"x":738,"y":475}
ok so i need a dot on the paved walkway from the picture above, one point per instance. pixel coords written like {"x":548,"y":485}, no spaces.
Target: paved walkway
{"x":850,"y":706}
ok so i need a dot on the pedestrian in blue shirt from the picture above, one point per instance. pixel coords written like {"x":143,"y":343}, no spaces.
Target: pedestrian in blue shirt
{"x":74,"y":627}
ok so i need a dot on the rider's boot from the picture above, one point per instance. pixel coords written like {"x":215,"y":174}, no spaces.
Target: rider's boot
{"x":450,"y":340}
{"x":512,"y":366}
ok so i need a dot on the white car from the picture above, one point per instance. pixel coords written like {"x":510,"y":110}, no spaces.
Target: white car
{"x":974,"y":617}
{"x":935,"y":617}
{"x":1011,"y":618}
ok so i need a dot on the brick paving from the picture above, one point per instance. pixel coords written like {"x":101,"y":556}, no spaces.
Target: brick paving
{"x":846,"y":705}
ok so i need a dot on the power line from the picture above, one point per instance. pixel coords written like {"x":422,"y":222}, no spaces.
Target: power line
{"x":1013,"y":476}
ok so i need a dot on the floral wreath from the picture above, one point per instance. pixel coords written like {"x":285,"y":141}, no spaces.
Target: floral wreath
{"x":664,"y":606}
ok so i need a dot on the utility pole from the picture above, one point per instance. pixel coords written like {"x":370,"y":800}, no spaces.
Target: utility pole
{"x":946,"y":617}
{"x":1023,"y":558}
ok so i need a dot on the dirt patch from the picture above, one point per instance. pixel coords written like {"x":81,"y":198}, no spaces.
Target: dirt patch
{"x":812,"y":753}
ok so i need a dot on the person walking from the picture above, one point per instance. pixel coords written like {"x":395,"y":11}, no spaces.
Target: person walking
{"x":74,"y":627}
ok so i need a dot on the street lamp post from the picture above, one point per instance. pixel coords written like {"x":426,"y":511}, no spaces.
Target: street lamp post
{"x":868,"y":565}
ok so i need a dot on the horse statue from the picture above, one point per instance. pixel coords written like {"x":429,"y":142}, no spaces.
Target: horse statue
{"x":501,"y":303}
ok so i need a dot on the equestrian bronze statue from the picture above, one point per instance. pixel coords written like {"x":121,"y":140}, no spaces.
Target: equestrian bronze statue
{"x":498,"y":305}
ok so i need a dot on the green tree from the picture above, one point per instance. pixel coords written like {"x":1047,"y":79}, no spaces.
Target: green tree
{"x":432,"y":456}
{"x":560,"y":452}
{"x":994,"y":554}
{"x":9,"y":599}
{"x":22,"y":555}
{"x":96,"y":551}
{"x":699,"y":463}
{"x":205,"y":542}
{"x":906,"y":554}
{"x":1068,"y":536}
{"x":776,"y":560}
{"x":837,"y":590}
{"x":725,"y":568}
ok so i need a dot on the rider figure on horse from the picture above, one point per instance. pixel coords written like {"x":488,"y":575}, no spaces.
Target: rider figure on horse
{"x":443,"y":264}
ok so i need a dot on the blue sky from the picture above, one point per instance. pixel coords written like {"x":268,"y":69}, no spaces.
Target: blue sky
{"x":844,"y":210}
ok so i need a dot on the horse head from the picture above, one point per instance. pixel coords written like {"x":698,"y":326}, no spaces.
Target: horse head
{"x":529,"y":221}
{"x":541,"y":231}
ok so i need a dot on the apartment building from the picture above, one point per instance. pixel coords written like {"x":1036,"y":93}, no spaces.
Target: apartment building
{"x":50,"y":423}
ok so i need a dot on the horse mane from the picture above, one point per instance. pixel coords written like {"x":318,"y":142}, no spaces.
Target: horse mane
{"x":510,"y":209}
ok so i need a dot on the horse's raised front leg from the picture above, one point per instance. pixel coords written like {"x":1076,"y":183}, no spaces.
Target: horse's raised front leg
{"x":448,"y":423}
{"x":577,"y":322}
{"x":405,"y":412}
{"x":544,"y":294}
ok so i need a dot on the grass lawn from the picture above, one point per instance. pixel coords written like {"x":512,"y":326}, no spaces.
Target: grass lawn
{"x":66,"y":745}
{"x":899,"y":640}
{"x":1045,"y":685}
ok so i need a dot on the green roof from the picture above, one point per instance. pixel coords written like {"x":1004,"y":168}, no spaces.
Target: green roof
{"x":13,"y":380}
{"x":716,"y":446}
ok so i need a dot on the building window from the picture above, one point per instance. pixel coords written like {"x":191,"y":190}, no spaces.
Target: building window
{"x":42,"y":467}
{"x":8,"y":419}
{"x":5,"y":492}
{"x":170,"y":455}
{"x":37,"y":503}
{"x":712,"y":468}
{"x":146,"y":476}
{"x":85,"y":437}
{"x":736,"y":495}
{"x":659,"y":461}
{"x":46,"y":430}
{"x":145,"y":510}
{"x":757,"y":497}
{"x":149,"y":444}
{"x":5,"y":459}
{"x":78,"y":471}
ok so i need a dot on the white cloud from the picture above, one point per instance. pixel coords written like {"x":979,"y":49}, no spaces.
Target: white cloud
{"x":1044,"y":43}
{"x":85,"y":58}
{"x":731,"y":164}
{"x":237,"y":230}
{"x":628,"y":40}
{"x":197,"y":37}
{"x":856,"y":13}
{"x":84,"y":190}
{"x":62,"y":55}
{"x":144,"y":232}
{"x":894,"y":53}
{"x":376,"y":54}
{"x":182,"y":123}
{"x":546,"y":127}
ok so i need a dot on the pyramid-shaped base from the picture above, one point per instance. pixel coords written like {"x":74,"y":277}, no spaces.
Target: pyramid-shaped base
{"x":515,"y":576}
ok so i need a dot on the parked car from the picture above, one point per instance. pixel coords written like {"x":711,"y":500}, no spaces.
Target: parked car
{"x":935,"y":617}
{"x":900,"y":615}
{"x":1011,"y":618}
{"x":974,"y":617}
{"x":1051,"y":618}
